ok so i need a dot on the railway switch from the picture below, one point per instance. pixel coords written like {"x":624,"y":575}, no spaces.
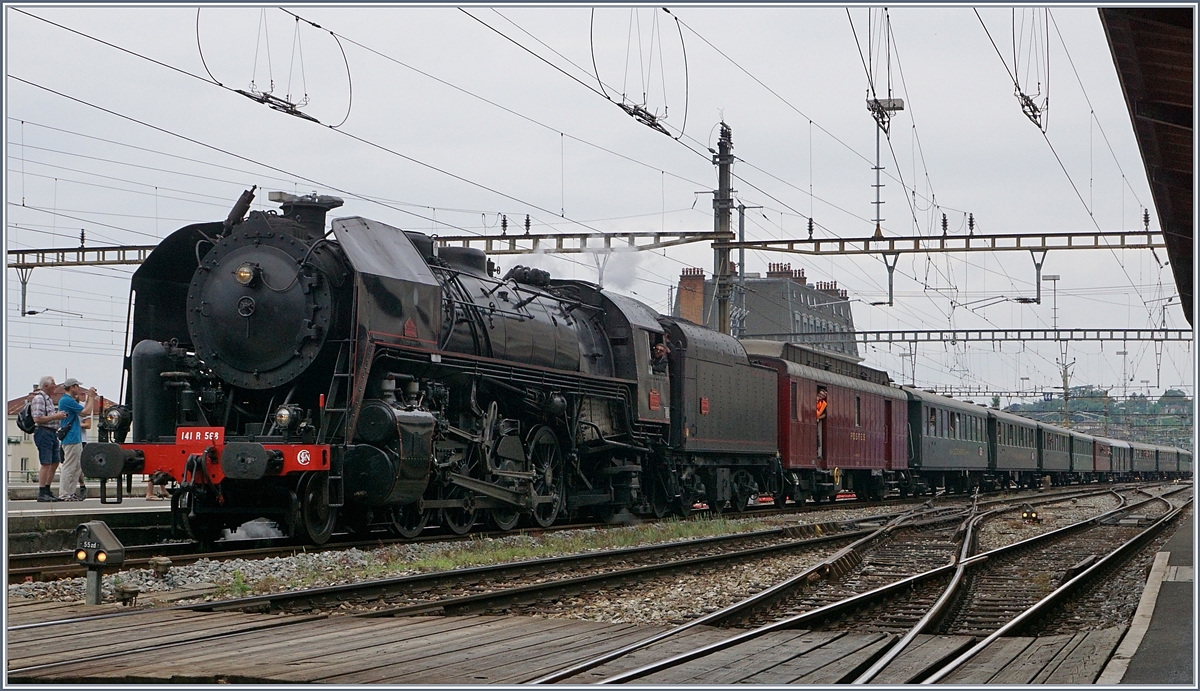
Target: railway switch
{"x":97,"y":548}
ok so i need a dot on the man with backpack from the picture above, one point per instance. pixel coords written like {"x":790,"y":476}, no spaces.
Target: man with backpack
{"x":46,"y":416}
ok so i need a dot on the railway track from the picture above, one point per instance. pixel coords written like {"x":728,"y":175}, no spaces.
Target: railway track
{"x":831,"y":561}
{"x":924,"y":593}
{"x":43,"y":566}
{"x":1013,"y":580}
{"x":1073,"y":581}
{"x":469,"y":589}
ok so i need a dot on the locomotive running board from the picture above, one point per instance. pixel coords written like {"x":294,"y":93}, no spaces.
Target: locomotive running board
{"x":508,"y":496}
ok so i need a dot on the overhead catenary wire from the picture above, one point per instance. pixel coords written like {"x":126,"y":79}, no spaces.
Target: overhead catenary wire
{"x":439,"y":216}
{"x":244,"y":158}
{"x":342,"y":132}
{"x":1067,"y":173}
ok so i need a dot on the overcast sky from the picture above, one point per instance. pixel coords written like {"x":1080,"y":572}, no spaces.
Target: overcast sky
{"x":453,"y":117}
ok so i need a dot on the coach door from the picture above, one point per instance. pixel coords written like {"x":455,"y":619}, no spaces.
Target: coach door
{"x":887,"y":432}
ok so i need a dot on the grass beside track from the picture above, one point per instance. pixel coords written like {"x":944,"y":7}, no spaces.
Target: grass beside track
{"x":406,"y":558}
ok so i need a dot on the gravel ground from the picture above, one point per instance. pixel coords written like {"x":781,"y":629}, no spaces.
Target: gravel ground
{"x":239,"y":577}
{"x":1009,"y":528}
{"x":679,"y":598}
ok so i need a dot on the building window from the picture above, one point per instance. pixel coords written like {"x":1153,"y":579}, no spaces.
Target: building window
{"x":24,"y":464}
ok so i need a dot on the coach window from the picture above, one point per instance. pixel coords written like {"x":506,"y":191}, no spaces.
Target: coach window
{"x":857,"y":411}
{"x":932,"y":422}
{"x":795,"y":403}
{"x":953,"y":425}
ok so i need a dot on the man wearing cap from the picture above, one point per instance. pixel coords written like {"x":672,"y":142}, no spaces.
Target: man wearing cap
{"x":46,"y":417}
{"x":70,"y":474}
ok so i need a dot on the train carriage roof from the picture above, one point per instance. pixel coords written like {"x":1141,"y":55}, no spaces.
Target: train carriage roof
{"x":1113,"y":442}
{"x":1081,"y":435}
{"x":833,"y":379}
{"x":940,"y":401}
{"x":1012,"y":418}
{"x":1137,"y":445}
{"x":702,"y":343}
{"x":1055,"y":429}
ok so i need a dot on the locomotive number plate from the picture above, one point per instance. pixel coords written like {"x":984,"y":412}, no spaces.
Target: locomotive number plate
{"x":655,"y":399}
{"x":200,"y":436}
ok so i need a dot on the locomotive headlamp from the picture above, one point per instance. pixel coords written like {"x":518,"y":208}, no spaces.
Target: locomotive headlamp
{"x":117,"y":418}
{"x":287,"y":416}
{"x":245,"y":273}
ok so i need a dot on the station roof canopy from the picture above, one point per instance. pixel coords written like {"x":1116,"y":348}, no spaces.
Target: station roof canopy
{"x":1152,"y":49}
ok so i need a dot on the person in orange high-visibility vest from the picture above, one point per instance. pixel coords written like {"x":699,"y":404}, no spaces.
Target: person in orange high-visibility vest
{"x":822,"y":405}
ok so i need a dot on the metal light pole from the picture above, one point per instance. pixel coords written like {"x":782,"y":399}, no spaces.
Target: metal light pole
{"x":741,"y":292}
{"x":722,"y":204}
{"x":881,"y":109}
{"x":1053,"y":278}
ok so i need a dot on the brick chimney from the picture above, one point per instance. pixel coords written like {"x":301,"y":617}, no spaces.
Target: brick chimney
{"x":691,"y":295}
{"x":776,"y":270}
{"x":830,"y":288}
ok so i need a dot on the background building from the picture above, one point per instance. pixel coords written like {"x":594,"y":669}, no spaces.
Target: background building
{"x":782,"y":306}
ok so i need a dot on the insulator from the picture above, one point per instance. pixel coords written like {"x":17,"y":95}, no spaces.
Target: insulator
{"x":1146,"y":218}
{"x":527,"y":224}
{"x":945,"y":225}
{"x":971,"y":222}
{"x":503,"y":224}
{"x":810,"y":228}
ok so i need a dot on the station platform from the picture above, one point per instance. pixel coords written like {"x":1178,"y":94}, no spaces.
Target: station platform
{"x":1160,"y":645}
{"x":35,"y":526}
{"x":22,"y":501}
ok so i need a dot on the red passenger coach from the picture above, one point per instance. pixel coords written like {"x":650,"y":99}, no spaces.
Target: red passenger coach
{"x":861,"y":444}
{"x":1102,"y":456}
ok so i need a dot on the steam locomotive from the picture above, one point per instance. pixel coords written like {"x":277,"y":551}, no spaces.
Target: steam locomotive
{"x":366,"y":378}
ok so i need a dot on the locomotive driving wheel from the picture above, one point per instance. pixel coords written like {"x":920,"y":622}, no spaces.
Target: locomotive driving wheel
{"x":409,"y":520}
{"x":458,"y":519}
{"x":202,"y":530}
{"x":506,"y":518}
{"x":317,"y":517}
{"x":546,"y":461}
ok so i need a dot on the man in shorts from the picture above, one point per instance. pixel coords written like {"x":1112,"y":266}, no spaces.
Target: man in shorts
{"x":46,"y":416}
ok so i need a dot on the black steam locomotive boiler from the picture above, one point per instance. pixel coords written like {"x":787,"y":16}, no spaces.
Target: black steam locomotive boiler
{"x":367,"y":378}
